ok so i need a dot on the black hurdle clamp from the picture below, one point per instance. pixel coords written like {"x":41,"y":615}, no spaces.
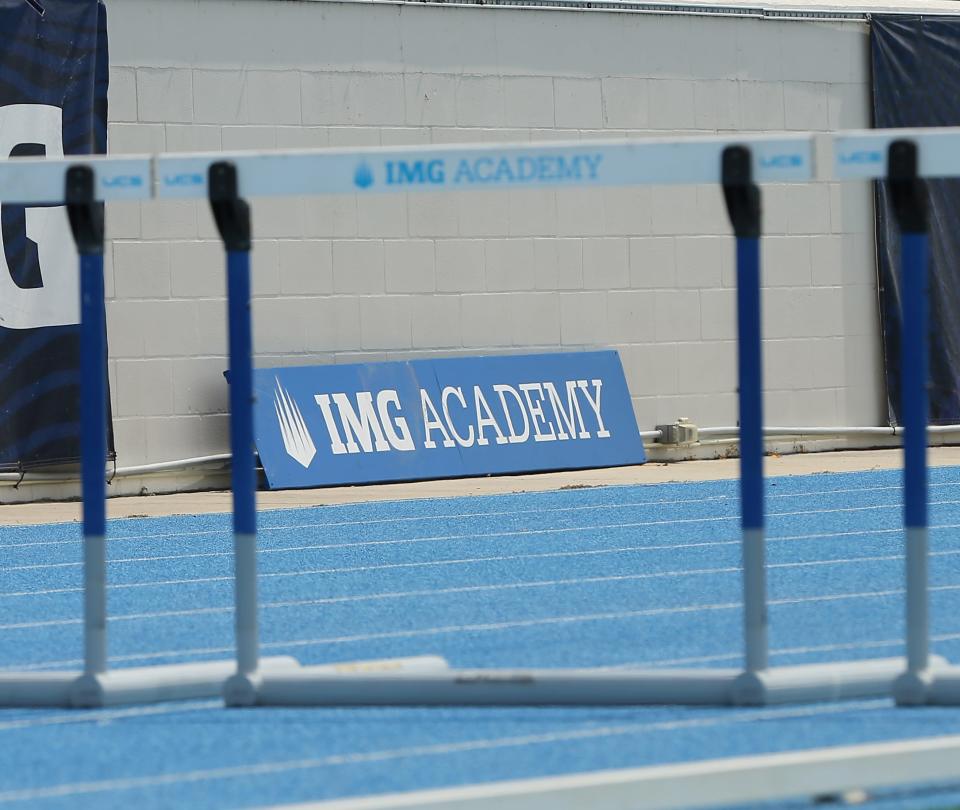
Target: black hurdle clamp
{"x":231,"y":212}
{"x":83,"y":210}
{"x":740,"y":192}
{"x":908,"y":191}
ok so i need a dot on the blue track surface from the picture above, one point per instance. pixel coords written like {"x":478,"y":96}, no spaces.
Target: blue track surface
{"x":587,"y":577}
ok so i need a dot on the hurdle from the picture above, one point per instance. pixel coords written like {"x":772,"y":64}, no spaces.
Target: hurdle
{"x":737,"y":164}
{"x":912,"y":156}
{"x":83,"y":188}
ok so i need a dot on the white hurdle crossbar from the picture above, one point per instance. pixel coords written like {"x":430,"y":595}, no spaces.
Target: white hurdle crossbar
{"x":737,"y":164}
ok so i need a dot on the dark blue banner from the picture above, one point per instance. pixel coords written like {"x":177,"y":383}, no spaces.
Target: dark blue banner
{"x":916,"y":83}
{"x":53,"y":102}
{"x":424,"y":419}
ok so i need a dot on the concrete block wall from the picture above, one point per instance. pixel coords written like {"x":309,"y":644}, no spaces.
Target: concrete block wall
{"x":648,"y":271}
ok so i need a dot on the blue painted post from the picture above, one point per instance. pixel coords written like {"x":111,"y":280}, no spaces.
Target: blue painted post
{"x":86,"y":224}
{"x":232,"y":216}
{"x":908,"y":195}
{"x":743,"y":206}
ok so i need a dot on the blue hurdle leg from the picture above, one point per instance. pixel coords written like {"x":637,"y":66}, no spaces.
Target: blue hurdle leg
{"x":743,"y":205}
{"x":86,"y":225}
{"x":232,"y":215}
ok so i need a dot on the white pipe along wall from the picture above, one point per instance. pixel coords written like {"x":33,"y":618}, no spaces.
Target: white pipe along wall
{"x":647,"y":271}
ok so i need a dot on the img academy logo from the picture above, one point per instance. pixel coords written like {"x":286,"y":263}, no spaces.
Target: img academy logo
{"x":296,"y":438}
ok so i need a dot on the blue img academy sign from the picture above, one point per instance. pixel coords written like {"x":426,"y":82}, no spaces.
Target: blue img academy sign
{"x":323,"y":425}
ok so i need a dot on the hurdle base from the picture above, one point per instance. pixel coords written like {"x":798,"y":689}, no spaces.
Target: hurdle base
{"x":245,"y":689}
{"x":933,"y":687}
{"x":123,"y":687}
{"x":309,"y":686}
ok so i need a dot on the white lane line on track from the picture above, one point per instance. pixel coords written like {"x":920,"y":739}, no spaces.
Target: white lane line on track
{"x":107,"y":716}
{"x":463,"y":589}
{"x":582,"y":733}
{"x":226,"y":532}
{"x":455,"y":537}
{"x":474,"y":560}
{"x":495,"y":627}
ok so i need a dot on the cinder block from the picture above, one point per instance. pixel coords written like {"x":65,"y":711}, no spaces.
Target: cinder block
{"x":279,"y":325}
{"x":324,"y":98}
{"x":717,"y":105}
{"x":432,"y":215}
{"x":386,"y":322}
{"x":142,"y":269}
{"x":482,"y":213}
{"x":248,"y":137}
{"x":718,"y":314}
{"x":625,"y":103}
{"x":805,"y":106}
{"x":435,"y":42}
{"x":130,"y":440}
{"x":528,"y":101}
{"x":785,"y":261}
{"x":123,"y":220}
{"x":363,"y":99}
{"x":169,"y":219}
{"x":700,"y":260}
{"x":265,"y":267}
{"x":135,"y":139}
{"x":533,"y":212}
{"x":827,"y":362}
{"x":860,"y":312}
{"x":122,"y":95}
{"x":212,"y":327}
{"x":358,"y":267}
{"x":605,"y":264}
{"x":404,"y":136}
{"x":410,"y":266}
{"x":630,"y":316}
{"x":461,"y":265}
{"x":297,"y":137}
{"x":776,"y":207}
{"x":141,"y":329}
{"x":509,"y":264}
{"x":788,"y":364}
{"x":848,"y":106}
{"x":761,"y":104}
{"x":558,"y":263}
{"x":710,"y":218}
{"x":650,"y":369}
{"x":198,"y":269}
{"x":578,"y":103}
{"x":199,"y":386}
{"x":330,"y":216}
{"x":217,"y":96}
{"x":672,"y":104}
{"x":270,"y":97}
{"x":483,"y":324}
{"x":580,"y":212}
{"x":864,"y":366}
{"x":333,"y":324}
{"x":436,"y":321}
{"x":306,"y":267}
{"x":706,"y":368}
{"x":851,"y":208}
{"x":193,"y":138}
{"x":480,"y":101}
{"x":277,"y":217}
{"x":535,"y":319}
{"x":354,"y":136}
{"x":175,"y":437}
{"x":653,"y":262}
{"x":431,"y":99}
{"x":382,"y":215}
{"x":677,"y":315}
{"x":672,"y":212}
{"x":760,"y":52}
{"x":628,"y":211}
{"x":144,"y":387}
{"x":164,"y":95}
{"x":809,"y":208}
{"x":583,"y":319}
{"x":828,"y":266}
